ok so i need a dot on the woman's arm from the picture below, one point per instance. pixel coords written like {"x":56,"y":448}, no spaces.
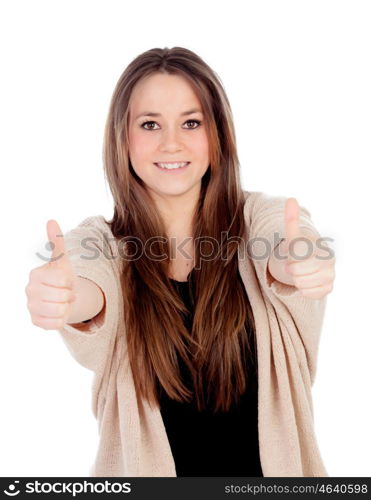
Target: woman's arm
{"x":300,"y":317}
{"x":96,"y":265}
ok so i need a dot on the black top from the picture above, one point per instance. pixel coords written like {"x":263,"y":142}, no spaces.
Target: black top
{"x":213,"y":445}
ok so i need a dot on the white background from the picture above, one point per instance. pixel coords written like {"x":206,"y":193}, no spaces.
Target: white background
{"x":297,"y":74}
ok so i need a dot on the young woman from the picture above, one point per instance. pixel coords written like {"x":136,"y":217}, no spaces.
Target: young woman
{"x":194,"y":306}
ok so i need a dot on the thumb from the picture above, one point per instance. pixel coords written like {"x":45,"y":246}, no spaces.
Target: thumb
{"x":292,"y":228}
{"x":56,"y":240}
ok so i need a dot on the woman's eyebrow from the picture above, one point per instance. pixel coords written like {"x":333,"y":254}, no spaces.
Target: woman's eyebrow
{"x":151,"y":113}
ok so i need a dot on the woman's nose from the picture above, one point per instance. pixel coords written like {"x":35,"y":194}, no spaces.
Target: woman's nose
{"x":171,"y":139}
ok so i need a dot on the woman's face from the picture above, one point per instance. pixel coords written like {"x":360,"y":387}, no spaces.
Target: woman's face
{"x":170,"y":136}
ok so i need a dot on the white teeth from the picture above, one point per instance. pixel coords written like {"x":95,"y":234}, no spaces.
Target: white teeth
{"x":172,"y":165}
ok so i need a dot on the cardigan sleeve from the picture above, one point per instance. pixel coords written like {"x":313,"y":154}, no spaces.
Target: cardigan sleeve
{"x":305,"y":315}
{"x":91,"y":258}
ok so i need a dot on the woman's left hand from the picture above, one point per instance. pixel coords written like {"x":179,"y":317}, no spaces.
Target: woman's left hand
{"x":313,"y":276}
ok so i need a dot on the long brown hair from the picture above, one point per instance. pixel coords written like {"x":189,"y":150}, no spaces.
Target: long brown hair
{"x":215,"y":350}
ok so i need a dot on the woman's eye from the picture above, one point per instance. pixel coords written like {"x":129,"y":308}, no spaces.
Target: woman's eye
{"x":152,"y":122}
{"x":194,"y":121}
{"x":145,"y":123}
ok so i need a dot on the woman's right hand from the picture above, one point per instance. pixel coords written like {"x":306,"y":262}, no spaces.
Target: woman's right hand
{"x":52,"y":286}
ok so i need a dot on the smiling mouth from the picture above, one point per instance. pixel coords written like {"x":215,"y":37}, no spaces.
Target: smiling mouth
{"x":172,"y":165}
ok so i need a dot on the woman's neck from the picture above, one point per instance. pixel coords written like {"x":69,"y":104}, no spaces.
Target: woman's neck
{"x":177,"y":212}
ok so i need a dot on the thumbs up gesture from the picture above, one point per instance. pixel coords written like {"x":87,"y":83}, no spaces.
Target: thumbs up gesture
{"x":313,"y":276}
{"x":51,"y":287}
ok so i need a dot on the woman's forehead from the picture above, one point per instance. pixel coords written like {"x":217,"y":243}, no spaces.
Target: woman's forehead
{"x":160,"y":93}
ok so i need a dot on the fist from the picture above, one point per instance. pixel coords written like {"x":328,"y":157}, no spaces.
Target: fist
{"x":313,"y":276}
{"x":51,"y":287}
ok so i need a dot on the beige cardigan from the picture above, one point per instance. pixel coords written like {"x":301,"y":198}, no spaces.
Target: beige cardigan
{"x":288,"y":326}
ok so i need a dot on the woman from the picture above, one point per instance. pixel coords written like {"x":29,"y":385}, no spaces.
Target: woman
{"x":203,"y":346}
